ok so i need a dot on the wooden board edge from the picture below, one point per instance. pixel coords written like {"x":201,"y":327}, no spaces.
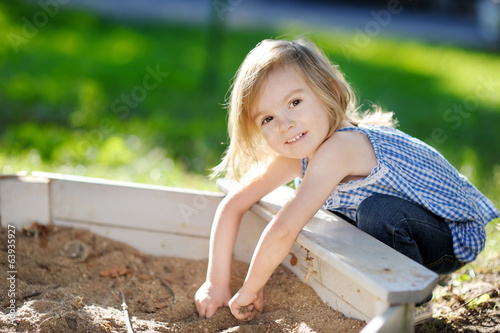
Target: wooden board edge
{"x":397,"y":318}
{"x":149,"y":242}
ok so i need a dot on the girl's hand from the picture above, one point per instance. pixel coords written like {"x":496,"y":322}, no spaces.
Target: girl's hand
{"x":210,"y":297}
{"x":242,"y":304}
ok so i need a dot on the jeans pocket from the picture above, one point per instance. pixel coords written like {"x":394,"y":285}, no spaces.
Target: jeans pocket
{"x":445,"y":265}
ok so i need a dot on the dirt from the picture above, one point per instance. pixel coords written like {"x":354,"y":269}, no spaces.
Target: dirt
{"x":466,"y":301}
{"x":70,"y":280}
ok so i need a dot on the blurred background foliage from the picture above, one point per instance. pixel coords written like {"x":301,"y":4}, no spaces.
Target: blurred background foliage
{"x":79,"y":97}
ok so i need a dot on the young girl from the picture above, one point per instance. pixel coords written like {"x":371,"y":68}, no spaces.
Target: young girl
{"x":293,"y":112}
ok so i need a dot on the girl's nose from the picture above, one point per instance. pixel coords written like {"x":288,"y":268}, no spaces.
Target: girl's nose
{"x":286,"y":122}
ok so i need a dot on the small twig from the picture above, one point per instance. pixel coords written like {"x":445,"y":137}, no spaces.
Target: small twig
{"x":52,"y":317}
{"x":168,"y":288}
{"x":475,"y":298}
{"x":33,"y":294}
{"x":127,"y":318}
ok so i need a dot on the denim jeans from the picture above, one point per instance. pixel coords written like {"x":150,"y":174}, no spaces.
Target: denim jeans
{"x":409,"y":229}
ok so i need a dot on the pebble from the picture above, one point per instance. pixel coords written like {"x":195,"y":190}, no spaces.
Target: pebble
{"x":76,"y":250}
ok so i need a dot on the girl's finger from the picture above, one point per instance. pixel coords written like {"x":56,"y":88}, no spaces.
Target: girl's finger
{"x":199,"y":309}
{"x":211,"y":310}
{"x":259,"y":304}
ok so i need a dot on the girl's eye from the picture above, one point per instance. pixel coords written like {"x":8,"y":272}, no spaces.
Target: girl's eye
{"x":267,"y":120}
{"x":295,"y":102}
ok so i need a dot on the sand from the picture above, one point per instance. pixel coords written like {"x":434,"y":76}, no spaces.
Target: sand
{"x":70,"y":280}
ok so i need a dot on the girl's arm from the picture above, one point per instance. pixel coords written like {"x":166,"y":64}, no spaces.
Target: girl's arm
{"x":215,"y":292}
{"x":332,"y":162}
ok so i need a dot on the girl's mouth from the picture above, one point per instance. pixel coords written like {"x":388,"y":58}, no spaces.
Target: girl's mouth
{"x":292,"y":140}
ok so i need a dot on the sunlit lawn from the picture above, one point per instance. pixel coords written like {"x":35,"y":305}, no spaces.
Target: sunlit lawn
{"x":136,"y":102}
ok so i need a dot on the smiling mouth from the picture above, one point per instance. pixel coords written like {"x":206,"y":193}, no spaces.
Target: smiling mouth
{"x":295,"y":138}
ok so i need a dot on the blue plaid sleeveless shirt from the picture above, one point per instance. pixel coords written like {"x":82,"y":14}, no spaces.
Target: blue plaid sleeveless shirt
{"x":410,"y":169}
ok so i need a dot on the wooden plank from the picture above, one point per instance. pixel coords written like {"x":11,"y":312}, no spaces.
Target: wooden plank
{"x":335,"y":289}
{"x":151,"y":208}
{"x":150,"y":242}
{"x":24,"y":200}
{"x":387,"y":273}
{"x":398,"y":318}
{"x":249,"y":233}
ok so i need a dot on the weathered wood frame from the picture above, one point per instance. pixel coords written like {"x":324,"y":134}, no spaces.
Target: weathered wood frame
{"x":352,"y":272}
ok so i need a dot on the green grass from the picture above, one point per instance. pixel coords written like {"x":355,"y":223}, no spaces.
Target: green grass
{"x":63,"y":106}
{"x":64,"y":97}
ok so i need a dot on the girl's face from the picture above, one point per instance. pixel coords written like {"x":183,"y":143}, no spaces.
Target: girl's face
{"x":291,"y":118}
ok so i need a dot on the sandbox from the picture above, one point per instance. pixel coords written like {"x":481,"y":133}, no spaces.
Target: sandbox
{"x":151,"y":243}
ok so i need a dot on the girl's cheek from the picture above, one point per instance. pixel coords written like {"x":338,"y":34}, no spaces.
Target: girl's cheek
{"x":265,"y":130}
{"x":268,"y":136}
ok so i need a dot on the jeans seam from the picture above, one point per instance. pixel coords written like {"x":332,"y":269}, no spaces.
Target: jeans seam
{"x":396,"y":226}
{"x":446,"y":257}
{"x":406,"y":221}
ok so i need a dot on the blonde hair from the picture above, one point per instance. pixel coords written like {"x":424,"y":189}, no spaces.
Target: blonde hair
{"x":247,"y":147}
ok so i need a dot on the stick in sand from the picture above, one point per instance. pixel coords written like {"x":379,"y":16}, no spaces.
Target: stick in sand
{"x":127,"y":318}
